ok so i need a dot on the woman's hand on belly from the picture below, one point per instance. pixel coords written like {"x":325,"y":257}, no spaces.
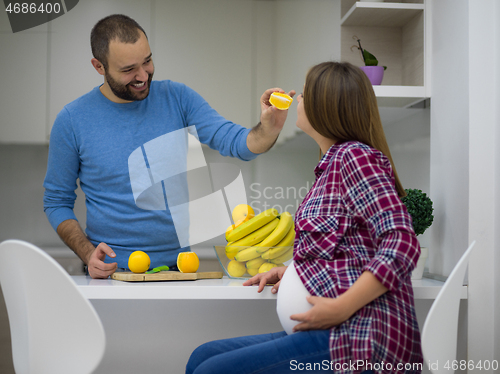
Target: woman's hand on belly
{"x":324,"y":314}
{"x":327,"y":312}
{"x":272,"y":276}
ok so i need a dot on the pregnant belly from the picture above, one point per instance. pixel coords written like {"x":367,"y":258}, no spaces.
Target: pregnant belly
{"x":291,"y":298}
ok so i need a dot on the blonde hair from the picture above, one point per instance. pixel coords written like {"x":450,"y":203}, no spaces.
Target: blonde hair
{"x":340,"y":104}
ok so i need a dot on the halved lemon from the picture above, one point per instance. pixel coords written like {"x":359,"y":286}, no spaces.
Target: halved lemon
{"x":188,"y":262}
{"x":280,"y":100}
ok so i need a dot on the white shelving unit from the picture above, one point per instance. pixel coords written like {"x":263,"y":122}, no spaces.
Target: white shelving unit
{"x":396,"y":34}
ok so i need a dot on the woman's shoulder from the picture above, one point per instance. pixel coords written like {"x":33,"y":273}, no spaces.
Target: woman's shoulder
{"x":352,"y":150}
{"x":357,"y":156}
{"x":354,"y":147}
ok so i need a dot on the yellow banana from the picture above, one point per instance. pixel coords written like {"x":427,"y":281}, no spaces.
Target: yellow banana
{"x":283,"y":258}
{"x":282,"y":246}
{"x":230,"y":228}
{"x":255,"y":263}
{"x":252,"y":225}
{"x":274,"y":252}
{"x":289,"y":238}
{"x":256,"y":236}
{"x":231,"y":251}
{"x":284,"y":225}
{"x":247,"y":254}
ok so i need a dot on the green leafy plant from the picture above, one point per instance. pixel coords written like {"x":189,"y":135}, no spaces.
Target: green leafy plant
{"x":419,"y":206}
{"x":368,"y":58}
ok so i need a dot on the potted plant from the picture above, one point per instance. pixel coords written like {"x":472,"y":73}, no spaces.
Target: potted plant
{"x":420,"y":208}
{"x":374,"y":72}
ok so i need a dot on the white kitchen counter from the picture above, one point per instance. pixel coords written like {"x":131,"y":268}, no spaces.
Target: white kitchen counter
{"x":154,"y":326}
{"x":207,"y":289}
{"x":202,"y":289}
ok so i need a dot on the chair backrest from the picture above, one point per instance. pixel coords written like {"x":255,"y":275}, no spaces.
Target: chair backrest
{"x":54,"y":328}
{"x":439,"y":334}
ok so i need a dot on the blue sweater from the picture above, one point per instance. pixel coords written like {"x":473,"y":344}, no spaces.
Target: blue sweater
{"x":93,"y":139}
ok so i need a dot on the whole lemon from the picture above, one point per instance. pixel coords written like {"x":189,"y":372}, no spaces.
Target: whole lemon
{"x":253,"y":271}
{"x":266,"y":266}
{"x":138,"y":262}
{"x":236,"y":269}
{"x":241,"y":213}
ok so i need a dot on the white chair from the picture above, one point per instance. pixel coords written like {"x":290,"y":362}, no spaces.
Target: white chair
{"x":439,"y":334}
{"x":54,"y":328}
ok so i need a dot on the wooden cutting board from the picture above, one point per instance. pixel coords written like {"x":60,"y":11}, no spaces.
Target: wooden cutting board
{"x":164,"y":276}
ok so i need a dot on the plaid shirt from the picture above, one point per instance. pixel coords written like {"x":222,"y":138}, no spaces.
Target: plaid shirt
{"x":353,"y":220}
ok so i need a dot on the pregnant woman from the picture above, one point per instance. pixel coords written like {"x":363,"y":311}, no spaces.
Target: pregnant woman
{"x":346,"y":301}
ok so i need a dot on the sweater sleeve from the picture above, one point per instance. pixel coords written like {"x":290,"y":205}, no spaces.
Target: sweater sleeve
{"x":62,"y":172}
{"x":229,"y":138}
{"x":371,"y":196}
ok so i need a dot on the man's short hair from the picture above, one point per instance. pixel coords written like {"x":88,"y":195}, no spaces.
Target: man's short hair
{"x":116,"y":26}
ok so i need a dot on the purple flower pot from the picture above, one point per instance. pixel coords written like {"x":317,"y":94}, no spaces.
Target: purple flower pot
{"x":374,"y":73}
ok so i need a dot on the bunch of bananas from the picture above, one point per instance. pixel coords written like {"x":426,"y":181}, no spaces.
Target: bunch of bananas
{"x":261,"y":243}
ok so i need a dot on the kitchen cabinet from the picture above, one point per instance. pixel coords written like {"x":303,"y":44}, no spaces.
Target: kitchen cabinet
{"x":24,"y":66}
{"x":396,"y":33}
{"x":70,"y":70}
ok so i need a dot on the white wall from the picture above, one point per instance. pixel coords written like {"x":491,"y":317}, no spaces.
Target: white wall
{"x":23,"y":107}
{"x":496,"y":280}
{"x":408,"y":136}
{"x":449,"y":134}
{"x":465,"y":158}
{"x":484,"y":193}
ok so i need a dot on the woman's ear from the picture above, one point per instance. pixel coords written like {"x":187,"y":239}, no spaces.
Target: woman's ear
{"x":98,"y":66}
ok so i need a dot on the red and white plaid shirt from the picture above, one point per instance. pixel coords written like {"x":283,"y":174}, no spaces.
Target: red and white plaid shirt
{"x":352,"y":220}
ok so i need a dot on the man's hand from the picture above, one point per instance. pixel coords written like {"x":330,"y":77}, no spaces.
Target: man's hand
{"x":272,"y":276}
{"x":96,"y":265}
{"x":264,"y":135}
{"x":271,"y":118}
{"x":72,"y":234}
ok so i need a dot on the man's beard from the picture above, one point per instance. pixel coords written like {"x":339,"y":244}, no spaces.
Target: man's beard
{"x":126,"y":93}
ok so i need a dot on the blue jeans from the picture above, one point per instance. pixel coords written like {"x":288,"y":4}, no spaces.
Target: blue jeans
{"x":275,"y":353}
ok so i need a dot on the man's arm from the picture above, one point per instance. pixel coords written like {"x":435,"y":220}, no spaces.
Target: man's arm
{"x":264,"y":135}
{"x":72,"y":234}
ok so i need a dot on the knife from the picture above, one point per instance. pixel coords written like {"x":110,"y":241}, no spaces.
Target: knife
{"x":157,"y":269}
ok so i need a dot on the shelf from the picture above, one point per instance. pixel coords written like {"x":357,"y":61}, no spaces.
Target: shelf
{"x":428,"y":289}
{"x":399,"y":96}
{"x":381,"y":14}
{"x":395,"y":34}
